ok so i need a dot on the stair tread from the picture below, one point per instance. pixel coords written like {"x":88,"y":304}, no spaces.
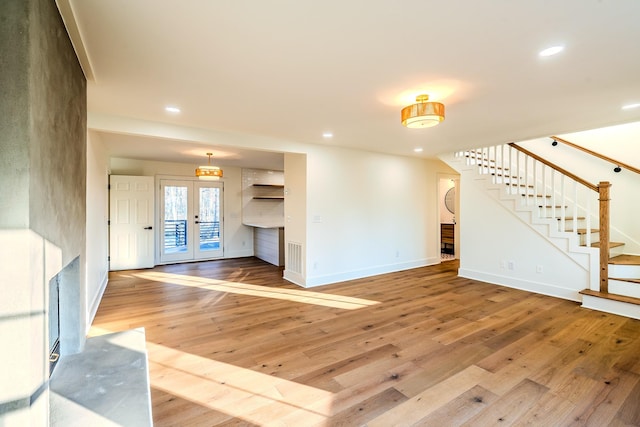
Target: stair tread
{"x":480,"y":158}
{"x":504,"y":176}
{"x":614,"y":297}
{"x":570,"y":218}
{"x":584,"y":230}
{"x":518,"y":185}
{"x":536,"y":195}
{"x":492,"y":167}
{"x":625,"y":279}
{"x":625,"y":260}
{"x":611,"y":244}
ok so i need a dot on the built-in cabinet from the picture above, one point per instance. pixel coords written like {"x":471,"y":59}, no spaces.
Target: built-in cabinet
{"x":268,"y":244}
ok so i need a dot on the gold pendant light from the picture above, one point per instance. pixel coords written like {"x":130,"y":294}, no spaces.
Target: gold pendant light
{"x":424,"y":114}
{"x":208,"y":172}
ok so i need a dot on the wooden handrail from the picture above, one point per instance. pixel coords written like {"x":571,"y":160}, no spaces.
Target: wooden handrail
{"x":598,"y":155}
{"x":555,"y":167}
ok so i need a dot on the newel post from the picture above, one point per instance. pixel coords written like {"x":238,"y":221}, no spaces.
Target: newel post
{"x":604,"y":198}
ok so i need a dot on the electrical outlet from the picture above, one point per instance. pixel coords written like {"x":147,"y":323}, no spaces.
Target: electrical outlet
{"x":503,"y":264}
{"x":512,"y":265}
{"x":539,"y":269}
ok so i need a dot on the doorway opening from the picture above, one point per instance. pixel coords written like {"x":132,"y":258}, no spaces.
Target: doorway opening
{"x":447,"y":204}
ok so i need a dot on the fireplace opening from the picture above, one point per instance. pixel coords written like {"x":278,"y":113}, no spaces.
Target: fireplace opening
{"x":54,"y":322}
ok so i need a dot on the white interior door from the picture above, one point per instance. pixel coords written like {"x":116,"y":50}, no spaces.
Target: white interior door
{"x":131,"y":236}
{"x":191,"y":221}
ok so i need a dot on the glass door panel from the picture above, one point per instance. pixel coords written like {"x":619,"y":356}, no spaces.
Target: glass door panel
{"x":208,"y":224}
{"x":176,"y":228}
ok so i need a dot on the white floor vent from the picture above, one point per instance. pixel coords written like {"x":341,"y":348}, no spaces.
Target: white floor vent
{"x":294,"y":257}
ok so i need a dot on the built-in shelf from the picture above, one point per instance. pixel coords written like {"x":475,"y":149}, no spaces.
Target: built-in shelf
{"x":268,"y":192}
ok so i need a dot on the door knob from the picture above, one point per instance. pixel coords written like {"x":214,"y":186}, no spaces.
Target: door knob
{"x":148,"y":228}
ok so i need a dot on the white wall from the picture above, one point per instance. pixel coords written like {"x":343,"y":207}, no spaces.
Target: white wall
{"x":618,"y":142}
{"x":295,"y":211}
{"x":369,"y":214}
{"x":238,"y":238}
{"x":97,"y":243}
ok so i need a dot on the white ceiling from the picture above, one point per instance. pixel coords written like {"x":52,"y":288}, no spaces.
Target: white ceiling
{"x":293,"y":69}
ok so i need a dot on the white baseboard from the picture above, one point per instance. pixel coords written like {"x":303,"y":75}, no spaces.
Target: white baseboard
{"x":93,"y":309}
{"x":238,"y":254}
{"x":368,"y":272}
{"x":525,"y":285}
{"x":295,"y":278}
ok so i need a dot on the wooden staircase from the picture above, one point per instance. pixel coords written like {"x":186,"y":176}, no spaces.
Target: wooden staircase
{"x":620,"y":292}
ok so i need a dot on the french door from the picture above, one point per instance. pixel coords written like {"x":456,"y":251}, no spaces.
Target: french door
{"x":191,"y":220}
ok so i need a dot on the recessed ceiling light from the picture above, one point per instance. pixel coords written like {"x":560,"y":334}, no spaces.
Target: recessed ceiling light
{"x":630,"y":106}
{"x":172,"y":109}
{"x":327,"y":135}
{"x":553,"y":50}
{"x":418,"y":150}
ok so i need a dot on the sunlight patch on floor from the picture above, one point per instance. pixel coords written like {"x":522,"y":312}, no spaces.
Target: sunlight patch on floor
{"x":236,"y":391}
{"x":306,"y":297}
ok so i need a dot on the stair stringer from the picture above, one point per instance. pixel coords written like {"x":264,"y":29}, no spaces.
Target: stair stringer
{"x":586,"y":258}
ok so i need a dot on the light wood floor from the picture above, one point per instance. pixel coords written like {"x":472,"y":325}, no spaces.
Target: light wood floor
{"x":231,"y":343}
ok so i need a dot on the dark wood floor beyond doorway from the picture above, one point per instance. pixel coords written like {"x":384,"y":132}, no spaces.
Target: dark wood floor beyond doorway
{"x":231,"y":343}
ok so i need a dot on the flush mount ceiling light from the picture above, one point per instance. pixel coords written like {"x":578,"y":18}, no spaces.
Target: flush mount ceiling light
{"x":424,"y":114}
{"x":208,"y":172}
{"x":170,"y":109}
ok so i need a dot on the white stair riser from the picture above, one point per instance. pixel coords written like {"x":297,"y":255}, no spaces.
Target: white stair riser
{"x":624,"y":271}
{"x":620,"y":287}
{"x":616,"y":251}
{"x":609,"y":306}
